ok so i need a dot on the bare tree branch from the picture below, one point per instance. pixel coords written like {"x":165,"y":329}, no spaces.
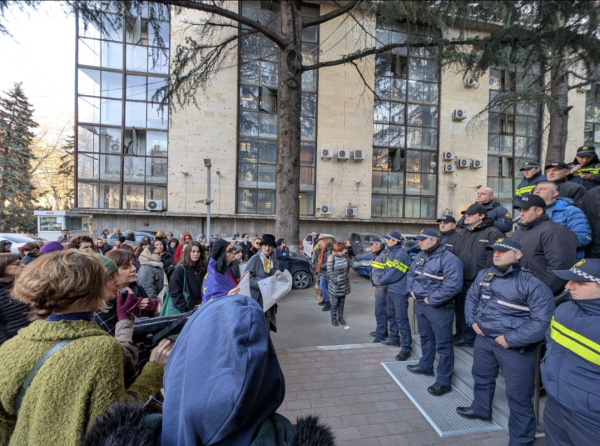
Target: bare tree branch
{"x":377,"y":98}
{"x":332,"y":15}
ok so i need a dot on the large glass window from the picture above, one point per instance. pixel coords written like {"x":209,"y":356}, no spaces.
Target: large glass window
{"x":122,"y":138}
{"x":513,"y":132}
{"x":592,"y":115}
{"x":257,"y":145}
{"x":405,"y":129}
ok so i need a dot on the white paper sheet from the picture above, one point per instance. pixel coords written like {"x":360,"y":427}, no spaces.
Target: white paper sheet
{"x":274,"y":288}
{"x":244,"y":286}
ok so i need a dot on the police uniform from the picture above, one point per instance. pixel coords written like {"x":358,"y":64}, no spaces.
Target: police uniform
{"x":437,"y":276}
{"x":511,"y":303}
{"x":448,"y":238}
{"x":528,"y":184}
{"x":394,"y":277}
{"x":501,"y":216}
{"x":571,"y":366}
{"x":377,"y":270}
{"x":592,"y":167}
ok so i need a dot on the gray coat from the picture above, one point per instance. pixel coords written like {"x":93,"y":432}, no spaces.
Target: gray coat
{"x":258,"y":273}
{"x":338,"y":273}
{"x":152,"y":279}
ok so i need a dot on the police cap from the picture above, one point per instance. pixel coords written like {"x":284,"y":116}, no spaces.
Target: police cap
{"x":586,"y":270}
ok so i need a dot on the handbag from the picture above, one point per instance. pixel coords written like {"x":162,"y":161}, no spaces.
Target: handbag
{"x":168,"y":308}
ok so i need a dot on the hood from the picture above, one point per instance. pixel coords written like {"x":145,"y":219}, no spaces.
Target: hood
{"x":591,"y":306}
{"x":57,"y":331}
{"x":560,"y":204}
{"x":215,"y":284}
{"x":219,"y":392}
{"x":486,"y":222}
{"x":594,"y":160}
{"x":511,"y":269}
{"x":146,"y":258}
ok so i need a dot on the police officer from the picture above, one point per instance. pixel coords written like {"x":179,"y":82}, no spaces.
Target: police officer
{"x":394,"y":277}
{"x":448,"y":231}
{"x":377,"y":270}
{"x":471,"y":250}
{"x":532,"y":175}
{"x":434,"y":278}
{"x":557,"y":174}
{"x":510,"y":310}
{"x":502,"y":218}
{"x":585,"y":168}
{"x":571,"y":367}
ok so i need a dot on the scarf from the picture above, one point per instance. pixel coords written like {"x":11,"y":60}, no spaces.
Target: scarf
{"x":267,"y":263}
{"x":320,"y":260}
{"x":147,"y":259}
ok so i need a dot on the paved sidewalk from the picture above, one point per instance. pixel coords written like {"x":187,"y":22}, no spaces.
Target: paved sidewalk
{"x":354,"y":394}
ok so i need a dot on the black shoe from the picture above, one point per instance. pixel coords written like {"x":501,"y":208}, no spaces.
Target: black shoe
{"x":414,"y":368}
{"x":334,"y":321}
{"x":321,"y":303}
{"x":467,"y":412}
{"x":391,"y":343}
{"x":462,"y":343}
{"x":438,"y":390}
{"x":342,"y":321}
{"x":374,"y":334}
{"x":402,"y":356}
{"x":377,"y":341}
{"x":326,"y":307}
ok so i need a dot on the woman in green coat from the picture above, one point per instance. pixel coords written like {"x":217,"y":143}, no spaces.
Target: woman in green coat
{"x":80,"y":379}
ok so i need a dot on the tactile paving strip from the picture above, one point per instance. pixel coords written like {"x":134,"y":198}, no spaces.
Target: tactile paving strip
{"x":440,"y":411}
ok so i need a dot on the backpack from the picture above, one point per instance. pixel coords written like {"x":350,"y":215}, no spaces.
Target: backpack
{"x":168,"y":309}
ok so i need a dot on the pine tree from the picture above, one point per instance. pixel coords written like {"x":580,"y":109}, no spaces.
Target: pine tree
{"x":66,"y":169}
{"x":16,"y":138}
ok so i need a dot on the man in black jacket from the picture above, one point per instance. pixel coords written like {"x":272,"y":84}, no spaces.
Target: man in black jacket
{"x":502,"y":218}
{"x":557,"y":174}
{"x":470,"y":249}
{"x":448,"y":231}
{"x":532,"y":175}
{"x":585,"y":168}
{"x":590,"y":205}
{"x":546,"y":245}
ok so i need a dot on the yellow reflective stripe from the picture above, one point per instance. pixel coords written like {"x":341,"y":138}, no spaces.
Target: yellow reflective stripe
{"x":377,"y":265}
{"x":580,"y":345}
{"x":525,"y":190}
{"x":396,"y":264}
{"x":593,"y":170}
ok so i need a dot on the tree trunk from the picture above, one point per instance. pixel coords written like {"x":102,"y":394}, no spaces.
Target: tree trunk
{"x":558,"y":128}
{"x":287,"y":207}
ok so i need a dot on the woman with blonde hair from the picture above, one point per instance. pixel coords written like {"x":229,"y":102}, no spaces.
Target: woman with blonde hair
{"x":116,"y":233}
{"x":129,"y":235}
{"x":255,"y":248}
{"x":62,"y":371}
{"x":322,"y":252}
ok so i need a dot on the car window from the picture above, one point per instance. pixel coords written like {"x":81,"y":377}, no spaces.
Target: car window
{"x":17,"y":238}
{"x":309,"y":239}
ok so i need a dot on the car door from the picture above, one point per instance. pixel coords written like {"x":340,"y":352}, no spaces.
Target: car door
{"x":355,"y":243}
{"x":307,"y":245}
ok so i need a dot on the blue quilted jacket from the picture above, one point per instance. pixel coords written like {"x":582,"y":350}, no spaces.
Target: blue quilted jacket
{"x":566,"y":214}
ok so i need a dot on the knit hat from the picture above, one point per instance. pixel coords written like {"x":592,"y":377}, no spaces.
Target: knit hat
{"x":51,"y":247}
{"x":111,"y":267}
{"x":218,"y":248}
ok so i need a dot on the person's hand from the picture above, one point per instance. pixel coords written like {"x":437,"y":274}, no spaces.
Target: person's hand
{"x":234,"y":291}
{"x":588,"y":176}
{"x":278,"y":273}
{"x":477,"y":329}
{"x":500,"y":340}
{"x":244,"y":275}
{"x":161,"y":352}
{"x":348,"y":244}
{"x":413,"y":295}
{"x":126,"y":305}
{"x":426,"y":300}
{"x":575,"y":168}
{"x":144,"y":303}
{"x":366,"y":263}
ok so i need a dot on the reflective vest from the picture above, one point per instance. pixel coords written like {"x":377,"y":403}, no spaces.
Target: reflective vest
{"x":594,"y":170}
{"x":525,"y":190}
{"x":378,"y":265}
{"x":395,"y":264}
{"x":580,"y":345}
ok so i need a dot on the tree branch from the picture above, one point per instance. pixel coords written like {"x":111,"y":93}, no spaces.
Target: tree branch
{"x":332,"y":15}
{"x":272,"y":34}
{"x":377,"y":98}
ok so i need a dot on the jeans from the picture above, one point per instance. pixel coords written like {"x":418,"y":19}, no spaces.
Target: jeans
{"x":323,"y":284}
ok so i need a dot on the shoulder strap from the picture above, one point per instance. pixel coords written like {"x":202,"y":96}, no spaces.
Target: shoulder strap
{"x":36,"y":368}
{"x":184,"y":282}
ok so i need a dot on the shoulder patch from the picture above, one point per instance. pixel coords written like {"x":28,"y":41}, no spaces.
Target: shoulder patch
{"x":508,"y":215}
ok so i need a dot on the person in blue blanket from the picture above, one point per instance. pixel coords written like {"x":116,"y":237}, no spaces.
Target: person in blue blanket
{"x":220,"y":279}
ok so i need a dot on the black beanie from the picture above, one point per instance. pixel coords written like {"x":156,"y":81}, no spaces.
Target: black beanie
{"x":218,"y":248}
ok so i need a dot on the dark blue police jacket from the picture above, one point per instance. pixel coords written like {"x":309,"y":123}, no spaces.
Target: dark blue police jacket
{"x":396,"y":267}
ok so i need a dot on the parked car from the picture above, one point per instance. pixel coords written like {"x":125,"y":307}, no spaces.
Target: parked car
{"x":18,"y":240}
{"x":139,"y":235}
{"x":361,"y":242}
{"x":410,"y":246}
{"x":308,"y":243}
{"x":302,"y":276}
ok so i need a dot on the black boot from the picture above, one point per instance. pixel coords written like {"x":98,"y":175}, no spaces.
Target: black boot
{"x":340,"y":312}
{"x":334,"y":321}
{"x":326,"y":307}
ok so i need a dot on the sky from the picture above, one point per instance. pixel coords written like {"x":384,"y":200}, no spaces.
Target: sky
{"x":41,"y":54}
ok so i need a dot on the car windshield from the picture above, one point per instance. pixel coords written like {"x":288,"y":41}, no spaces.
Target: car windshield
{"x":371,"y":237}
{"x":17,"y":238}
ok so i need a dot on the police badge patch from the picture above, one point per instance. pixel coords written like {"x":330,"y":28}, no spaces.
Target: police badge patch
{"x":578,"y":264}
{"x":508,"y":215}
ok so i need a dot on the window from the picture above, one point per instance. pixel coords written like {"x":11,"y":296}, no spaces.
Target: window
{"x":513,"y":132}
{"x":122,"y":138}
{"x":51,"y":224}
{"x":592,"y":115}
{"x":257,"y":144}
{"x":405,"y":129}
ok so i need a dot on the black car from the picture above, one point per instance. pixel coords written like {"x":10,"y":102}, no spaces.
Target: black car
{"x":361,"y":242}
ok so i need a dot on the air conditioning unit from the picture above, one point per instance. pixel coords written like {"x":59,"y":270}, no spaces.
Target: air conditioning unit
{"x":471,"y":82}
{"x":459,"y":115}
{"x":344,"y":155}
{"x":351,"y":212}
{"x":448,"y":156}
{"x":476,"y":164}
{"x":359,"y":155}
{"x":463,"y":163}
{"x":114,"y":148}
{"x":155,"y":205}
{"x":449,"y":168}
{"x":585,"y":88}
{"x":326,"y":209}
{"x":273,"y":80}
{"x":326,"y":154}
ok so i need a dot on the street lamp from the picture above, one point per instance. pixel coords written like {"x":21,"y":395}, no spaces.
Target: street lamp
{"x":207,"y":201}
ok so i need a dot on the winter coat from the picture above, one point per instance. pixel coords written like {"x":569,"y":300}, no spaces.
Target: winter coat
{"x":547,"y":246}
{"x":105,"y":248}
{"x":526,"y":187}
{"x":251,"y":253}
{"x":13,"y":313}
{"x":338,"y":276}
{"x":317,"y":253}
{"x":282,"y":256}
{"x":150,"y":275}
{"x":396,"y":267}
{"x":378,"y":268}
{"x":73,"y":387}
{"x":257,"y":271}
{"x":501,"y":216}
{"x":130,"y":237}
{"x":28,"y":259}
{"x":513,"y":304}
{"x":569,"y":189}
{"x":592,"y":167}
{"x":571,"y":380}
{"x":437,"y":276}
{"x":449,"y":238}
{"x":470,"y":247}
{"x":566,"y":214}
{"x":215,"y":284}
{"x":166,"y":258}
{"x":193,"y":286}
{"x":590,"y":205}
{"x":245,"y":248}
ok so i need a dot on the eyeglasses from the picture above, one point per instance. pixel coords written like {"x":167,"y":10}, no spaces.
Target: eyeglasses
{"x":230,"y":250}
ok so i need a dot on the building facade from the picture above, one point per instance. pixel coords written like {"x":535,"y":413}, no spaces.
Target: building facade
{"x":366,"y":165}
